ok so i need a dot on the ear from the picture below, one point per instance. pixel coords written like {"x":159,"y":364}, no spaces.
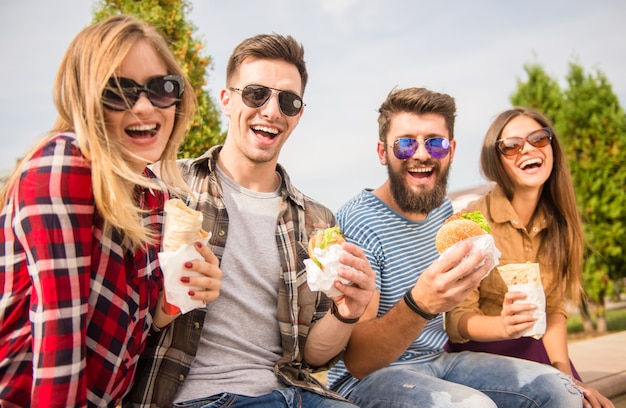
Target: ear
{"x":225,"y":101}
{"x":382,"y":155}
{"x":452,"y":149}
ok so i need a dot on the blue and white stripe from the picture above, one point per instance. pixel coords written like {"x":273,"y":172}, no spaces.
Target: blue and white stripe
{"x":399,"y":250}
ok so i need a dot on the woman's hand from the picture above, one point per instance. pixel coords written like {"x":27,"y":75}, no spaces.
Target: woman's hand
{"x":593,"y":398}
{"x":516,"y":317}
{"x":211,"y":282}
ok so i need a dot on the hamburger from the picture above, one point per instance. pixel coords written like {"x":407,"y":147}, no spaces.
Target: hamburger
{"x":323,"y":239}
{"x":460,"y":226}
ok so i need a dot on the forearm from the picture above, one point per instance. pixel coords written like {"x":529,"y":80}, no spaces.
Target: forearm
{"x":477,"y":327}
{"x":162,"y":319}
{"x":327,"y":338}
{"x":555,"y":342}
{"x":376,"y":343}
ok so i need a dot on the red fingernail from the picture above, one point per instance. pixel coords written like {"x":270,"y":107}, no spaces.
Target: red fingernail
{"x":188,"y":264}
{"x":191,"y":293}
{"x":198,"y":244}
{"x":184,"y":279}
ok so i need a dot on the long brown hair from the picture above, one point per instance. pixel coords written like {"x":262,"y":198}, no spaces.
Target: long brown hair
{"x":564,"y":241}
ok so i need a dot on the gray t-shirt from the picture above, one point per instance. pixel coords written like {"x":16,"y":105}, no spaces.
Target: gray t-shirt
{"x":241,"y":340}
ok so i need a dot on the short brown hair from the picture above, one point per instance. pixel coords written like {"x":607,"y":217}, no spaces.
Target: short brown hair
{"x":269,"y":46}
{"x":418,"y":101}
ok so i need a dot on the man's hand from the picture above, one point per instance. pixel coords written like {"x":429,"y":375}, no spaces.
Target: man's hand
{"x":448,"y":280}
{"x":355,"y":297}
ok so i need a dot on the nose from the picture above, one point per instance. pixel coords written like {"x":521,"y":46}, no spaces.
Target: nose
{"x":421,"y":153}
{"x":271,"y":108}
{"x":143,"y":104}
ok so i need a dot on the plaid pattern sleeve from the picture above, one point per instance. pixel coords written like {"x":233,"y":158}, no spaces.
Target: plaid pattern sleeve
{"x":74,"y":305}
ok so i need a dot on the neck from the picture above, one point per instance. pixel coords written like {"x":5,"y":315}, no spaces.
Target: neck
{"x":259,"y":177}
{"x":525,"y":203}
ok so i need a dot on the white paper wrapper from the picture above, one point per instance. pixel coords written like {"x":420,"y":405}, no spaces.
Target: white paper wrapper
{"x":323,"y":280}
{"x":484,"y":242}
{"x":172,"y":266}
{"x":527,"y":279}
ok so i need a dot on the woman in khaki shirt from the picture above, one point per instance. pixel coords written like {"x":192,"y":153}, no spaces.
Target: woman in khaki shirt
{"x":533,"y":218}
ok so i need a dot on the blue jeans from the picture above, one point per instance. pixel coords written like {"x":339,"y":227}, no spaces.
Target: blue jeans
{"x":468,"y":380}
{"x":292,"y":397}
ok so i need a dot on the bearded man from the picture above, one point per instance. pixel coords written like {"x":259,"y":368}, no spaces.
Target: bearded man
{"x":395,"y":354}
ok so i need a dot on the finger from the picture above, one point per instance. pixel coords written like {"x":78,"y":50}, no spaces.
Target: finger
{"x":514,"y":295}
{"x":206,"y":253}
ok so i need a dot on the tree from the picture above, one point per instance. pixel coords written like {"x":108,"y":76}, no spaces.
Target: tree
{"x":592,"y":127}
{"x":169,"y":17}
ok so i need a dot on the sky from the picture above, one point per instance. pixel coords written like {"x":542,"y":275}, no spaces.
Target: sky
{"x":356,"y":51}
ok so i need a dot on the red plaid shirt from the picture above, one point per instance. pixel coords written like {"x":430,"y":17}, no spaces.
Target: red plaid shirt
{"x":74,"y":306}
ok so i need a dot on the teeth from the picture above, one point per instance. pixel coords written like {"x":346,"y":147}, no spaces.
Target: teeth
{"x":265,"y":129}
{"x":529,"y":162}
{"x":142,"y":128}
{"x":421,"y":170}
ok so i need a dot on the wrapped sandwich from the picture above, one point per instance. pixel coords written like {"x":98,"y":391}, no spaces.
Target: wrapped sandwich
{"x":322,"y":268}
{"x":183,"y":227}
{"x":525,"y":277}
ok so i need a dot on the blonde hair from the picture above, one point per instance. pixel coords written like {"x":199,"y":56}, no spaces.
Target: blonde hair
{"x":89,"y":61}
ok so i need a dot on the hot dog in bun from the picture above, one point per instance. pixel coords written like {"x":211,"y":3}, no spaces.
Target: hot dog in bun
{"x":460,"y":226}
{"x":322,"y":239}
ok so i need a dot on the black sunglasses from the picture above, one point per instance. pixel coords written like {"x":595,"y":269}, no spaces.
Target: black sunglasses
{"x":405,"y":147}
{"x":256,"y":96}
{"x":510,"y":146}
{"x":122,"y":94}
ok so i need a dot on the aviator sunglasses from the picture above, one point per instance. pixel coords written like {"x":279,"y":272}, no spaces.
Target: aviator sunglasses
{"x":405,"y":147}
{"x":256,"y":96}
{"x":510,"y":146}
{"x":122,"y":94}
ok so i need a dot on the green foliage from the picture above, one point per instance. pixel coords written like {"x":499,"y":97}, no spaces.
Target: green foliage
{"x":169,"y":17}
{"x":615,"y":321}
{"x":592,"y":127}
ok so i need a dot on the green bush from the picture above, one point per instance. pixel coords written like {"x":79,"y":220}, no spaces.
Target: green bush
{"x":615,"y":321}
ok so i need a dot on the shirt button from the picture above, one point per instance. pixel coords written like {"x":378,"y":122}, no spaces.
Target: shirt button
{"x":528,"y":249}
{"x":196,"y":325}
{"x":221,"y":233}
{"x":181,"y":377}
{"x":515,"y":222}
{"x":535,"y":229}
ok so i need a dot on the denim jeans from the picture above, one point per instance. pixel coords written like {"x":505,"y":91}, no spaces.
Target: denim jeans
{"x":292,"y":397}
{"x":468,"y":380}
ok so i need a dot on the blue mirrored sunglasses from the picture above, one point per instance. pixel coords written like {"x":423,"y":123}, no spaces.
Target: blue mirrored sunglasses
{"x":405,"y":147}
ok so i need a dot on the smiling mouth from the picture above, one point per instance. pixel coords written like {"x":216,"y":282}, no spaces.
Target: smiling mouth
{"x":531,"y":163}
{"x":422,"y":172}
{"x":143,"y":131}
{"x":265,"y":131}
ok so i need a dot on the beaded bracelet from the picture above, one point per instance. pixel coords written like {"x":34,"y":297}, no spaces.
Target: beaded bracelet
{"x":410,"y":302}
{"x":335,"y":312}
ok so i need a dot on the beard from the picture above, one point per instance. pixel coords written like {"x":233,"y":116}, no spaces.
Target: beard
{"x":422,"y":201}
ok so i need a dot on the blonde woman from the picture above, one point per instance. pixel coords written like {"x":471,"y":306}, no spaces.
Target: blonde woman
{"x":81,"y":218}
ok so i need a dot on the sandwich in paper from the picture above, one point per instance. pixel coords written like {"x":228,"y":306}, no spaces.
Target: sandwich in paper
{"x":526,"y":278}
{"x":323,"y":264}
{"x":183,"y":227}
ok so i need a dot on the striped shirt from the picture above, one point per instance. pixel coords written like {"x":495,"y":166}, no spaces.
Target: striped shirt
{"x":74,"y":304}
{"x":399,"y":250}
